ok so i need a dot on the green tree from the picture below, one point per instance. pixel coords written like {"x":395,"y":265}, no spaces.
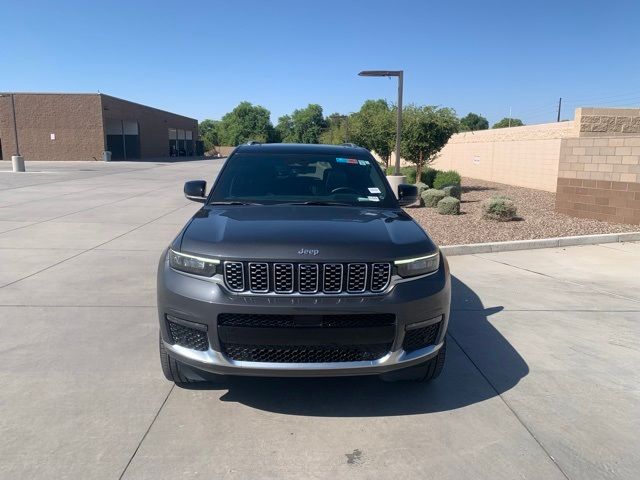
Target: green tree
{"x":374,"y":128}
{"x":304,"y":125}
{"x":425,"y":130}
{"x":472,"y":122}
{"x":208,"y":130}
{"x":504,"y":123}
{"x":337,"y":130}
{"x":246,"y":122}
{"x":284,"y":129}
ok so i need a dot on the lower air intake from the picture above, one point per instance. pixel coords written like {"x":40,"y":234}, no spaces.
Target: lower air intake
{"x":305,"y":354}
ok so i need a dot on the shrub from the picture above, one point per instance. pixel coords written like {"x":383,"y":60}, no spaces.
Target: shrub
{"x":499,"y":208}
{"x":431,"y":197}
{"x":453,"y":191}
{"x":428,"y":175}
{"x":443,"y":179}
{"x":421,"y":187}
{"x":409,"y":172}
{"x":449,"y":206}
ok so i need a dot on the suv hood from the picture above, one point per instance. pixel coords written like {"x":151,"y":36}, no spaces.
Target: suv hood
{"x":284,"y":232}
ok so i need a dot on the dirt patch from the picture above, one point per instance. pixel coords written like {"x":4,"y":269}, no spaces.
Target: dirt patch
{"x":536,"y":217}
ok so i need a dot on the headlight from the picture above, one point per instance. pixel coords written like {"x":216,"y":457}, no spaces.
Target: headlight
{"x":191,"y":264}
{"x":412,"y":267}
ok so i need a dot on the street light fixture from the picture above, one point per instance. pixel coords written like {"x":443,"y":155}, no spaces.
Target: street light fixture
{"x":399,"y":74}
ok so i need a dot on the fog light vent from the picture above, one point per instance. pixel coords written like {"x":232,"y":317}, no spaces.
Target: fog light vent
{"x":188,"y":337}
{"x":420,"y":337}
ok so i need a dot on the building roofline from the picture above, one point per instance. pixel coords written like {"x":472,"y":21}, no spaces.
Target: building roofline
{"x":146,"y":106}
{"x":99,"y":94}
{"x":48,"y":93}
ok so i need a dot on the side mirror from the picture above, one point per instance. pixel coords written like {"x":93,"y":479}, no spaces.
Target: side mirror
{"x":407,"y":194}
{"x":195,"y":190}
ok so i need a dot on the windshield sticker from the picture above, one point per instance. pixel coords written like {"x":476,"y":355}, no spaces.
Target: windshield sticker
{"x":373,"y":199}
{"x":374,"y":190}
{"x":350,"y":161}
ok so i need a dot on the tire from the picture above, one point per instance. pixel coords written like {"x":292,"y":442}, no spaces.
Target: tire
{"x":177,"y":373}
{"x":172,"y":369}
{"x":425,"y":372}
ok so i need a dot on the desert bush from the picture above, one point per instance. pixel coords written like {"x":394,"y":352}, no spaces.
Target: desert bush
{"x":453,"y":191}
{"x":409,"y":172}
{"x":421,"y":187}
{"x":450,"y":177}
{"x":431,"y":197}
{"x":428,"y":175}
{"x":449,"y":206}
{"x":499,"y":208}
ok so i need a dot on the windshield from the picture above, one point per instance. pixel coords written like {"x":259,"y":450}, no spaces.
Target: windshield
{"x":271,"y":178}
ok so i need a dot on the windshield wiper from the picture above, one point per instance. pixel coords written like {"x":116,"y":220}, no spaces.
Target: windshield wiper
{"x":235,"y":202}
{"x":318,"y":202}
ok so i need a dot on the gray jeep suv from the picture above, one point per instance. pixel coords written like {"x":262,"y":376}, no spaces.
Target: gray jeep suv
{"x":301,"y":262}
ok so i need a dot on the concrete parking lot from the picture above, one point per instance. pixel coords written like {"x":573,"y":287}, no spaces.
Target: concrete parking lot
{"x":541,"y":379}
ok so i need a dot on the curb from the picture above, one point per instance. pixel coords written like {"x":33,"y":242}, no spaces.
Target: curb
{"x":451,"y":250}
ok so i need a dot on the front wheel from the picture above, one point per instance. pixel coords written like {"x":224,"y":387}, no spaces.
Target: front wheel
{"x":424,"y":372}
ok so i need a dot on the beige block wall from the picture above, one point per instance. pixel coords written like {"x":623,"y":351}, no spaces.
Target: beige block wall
{"x":604,"y":122}
{"x":525,"y":156}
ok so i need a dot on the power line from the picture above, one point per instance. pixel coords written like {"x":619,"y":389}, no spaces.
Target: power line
{"x":569,"y":103}
{"x":599,"y":98}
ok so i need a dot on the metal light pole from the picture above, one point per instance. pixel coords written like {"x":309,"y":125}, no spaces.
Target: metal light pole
{"x":16,"y":160}
{"x":399,"y":74}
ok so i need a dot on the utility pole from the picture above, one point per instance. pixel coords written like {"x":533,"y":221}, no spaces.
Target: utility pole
{"x":16,"y":160}
{"x":559,"y":108}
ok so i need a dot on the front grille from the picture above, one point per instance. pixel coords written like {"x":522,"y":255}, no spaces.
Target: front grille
{"x":234,"y":276}
{"x":307,"y":278}
{"x":188,"y":337}
{"x":420,"y":337}
{"x":258,"y":320}
{"x":259,"y":277}
{"x":283,"y":277}
{"x":357,"y":277}
{"x":332,"y":278}
{"x":380,"y":275}
{"x":305,"y":353}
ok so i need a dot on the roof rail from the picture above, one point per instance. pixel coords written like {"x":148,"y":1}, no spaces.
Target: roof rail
{"x":346,"y":144}
{"x":253,"y":142}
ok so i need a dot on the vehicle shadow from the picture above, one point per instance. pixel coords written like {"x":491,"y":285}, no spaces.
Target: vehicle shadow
{"x":473,"y":344}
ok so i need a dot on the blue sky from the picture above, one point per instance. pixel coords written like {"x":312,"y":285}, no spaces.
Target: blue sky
{"x":200,"y":58}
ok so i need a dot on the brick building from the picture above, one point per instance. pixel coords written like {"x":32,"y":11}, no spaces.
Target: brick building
{"x":70,"y":126}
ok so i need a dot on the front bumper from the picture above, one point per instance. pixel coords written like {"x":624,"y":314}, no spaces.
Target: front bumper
{"x":199,"y":300}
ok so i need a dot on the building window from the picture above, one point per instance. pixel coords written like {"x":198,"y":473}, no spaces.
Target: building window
{"x":123,"y":139}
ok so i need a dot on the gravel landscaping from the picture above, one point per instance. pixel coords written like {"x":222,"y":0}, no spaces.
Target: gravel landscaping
{"x":536,"y":217}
